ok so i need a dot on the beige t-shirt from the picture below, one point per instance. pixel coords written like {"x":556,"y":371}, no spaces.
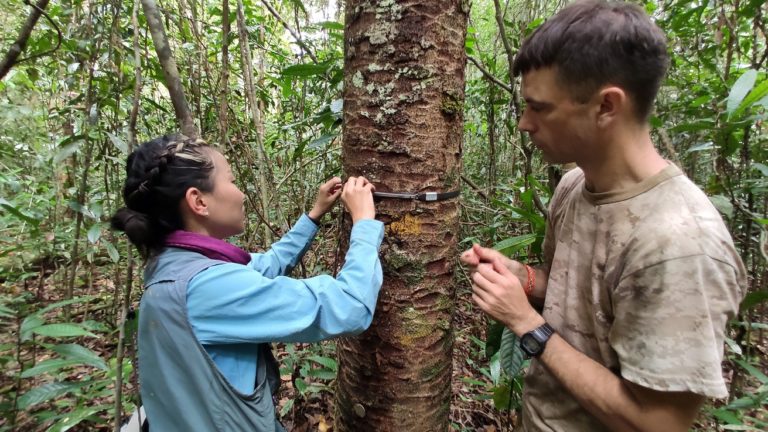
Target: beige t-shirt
{"x":643,"y":281}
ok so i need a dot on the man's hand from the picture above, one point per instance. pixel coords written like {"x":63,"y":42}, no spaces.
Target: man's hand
{"x":327,"y":194}
{"x":478,"y":254}
{"x":357,"y":197}
{"x":499,"y":293}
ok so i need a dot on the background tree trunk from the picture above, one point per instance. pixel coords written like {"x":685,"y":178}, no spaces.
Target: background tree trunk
{"x":170,"y":71}
{"x":403,"y":113}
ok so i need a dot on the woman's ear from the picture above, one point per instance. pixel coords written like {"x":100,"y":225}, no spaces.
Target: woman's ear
{"x":195,"y":202}
{"x":613,"y":104}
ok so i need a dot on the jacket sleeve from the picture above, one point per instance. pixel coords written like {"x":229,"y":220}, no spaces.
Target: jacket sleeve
{"x":232,"y":303}
{"x":285,"y":254}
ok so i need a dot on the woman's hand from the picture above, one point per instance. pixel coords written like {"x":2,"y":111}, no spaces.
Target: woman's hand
{"x":358,"y":198}
{"x":327,"y":194}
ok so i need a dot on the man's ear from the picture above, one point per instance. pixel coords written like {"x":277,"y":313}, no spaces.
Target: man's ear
{"x":613,"y":104}
{"x":196,"y":202}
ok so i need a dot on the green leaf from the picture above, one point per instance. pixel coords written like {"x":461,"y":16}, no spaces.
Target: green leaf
{"x":735,"y":348}
{"x":322,"y":140}
{"x":16,"y":212}
{"x":512,"y":356}
{"x":753,"y":299}
{"x":740,"y":90}
{"x":726,"y":416}
{"x":753,"y":371}
{"x":81,"y":354}
{"x":701,"y":147}
{"x":323,"y":374}
{"x":495,"y":367}
{"x":114,"y":255}
{"x":306,"y":70}
{"x":30,"y":323}
{"x":62,"y":330}
{"x":514,"y":244}
{"x":74,"y":418}
{"x":67,"y":147}
{"x":502,"y":397}
{"x":119,"y":143}
{"x":722,"y":204}
{"x":47,"y":392}
{"x":753,"y":98}
{"x":94,"y":233}
{"x":331,"y":25}
{"x":50,"y":366}
{"x":301,"y":386}
{"x":286,"y":408}
{"x":52,"y":306}
{"x":325,"y":361}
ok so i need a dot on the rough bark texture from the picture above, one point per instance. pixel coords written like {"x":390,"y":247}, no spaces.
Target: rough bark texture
{"x":170,"y":71}
{"x":403,"y":104}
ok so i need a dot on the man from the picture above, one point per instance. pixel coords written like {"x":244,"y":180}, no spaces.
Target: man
{"x":640,"y":274}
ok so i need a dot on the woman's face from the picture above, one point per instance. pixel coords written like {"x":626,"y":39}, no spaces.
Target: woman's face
{"x":226,"y":209}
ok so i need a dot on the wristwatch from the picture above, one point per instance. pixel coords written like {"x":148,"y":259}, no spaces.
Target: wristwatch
{"x":533,"y":342}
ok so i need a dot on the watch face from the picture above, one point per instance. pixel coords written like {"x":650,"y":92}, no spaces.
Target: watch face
{"x":530,"y":344}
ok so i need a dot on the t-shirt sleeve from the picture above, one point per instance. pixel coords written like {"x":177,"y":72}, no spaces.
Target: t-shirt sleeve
{"x":669,"y":324}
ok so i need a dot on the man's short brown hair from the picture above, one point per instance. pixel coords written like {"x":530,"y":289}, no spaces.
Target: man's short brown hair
{"x":594,"y":43}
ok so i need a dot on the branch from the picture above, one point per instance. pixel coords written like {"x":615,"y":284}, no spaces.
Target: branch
{"x":290,"y":30}
{"x":21,"y":41}
{"x":489,"y":76}
{"x":170,"y":71}
{"x":474,"y":186}
{"x":59,"y":37}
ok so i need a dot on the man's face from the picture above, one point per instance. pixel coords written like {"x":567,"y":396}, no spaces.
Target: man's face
{"x":561,"y":127}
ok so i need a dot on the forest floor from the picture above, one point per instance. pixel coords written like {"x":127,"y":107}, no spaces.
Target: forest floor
{"x":472,"y":407}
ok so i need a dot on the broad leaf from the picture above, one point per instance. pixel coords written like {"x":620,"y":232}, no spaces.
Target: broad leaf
{"x":94,"y":233}
{"x":47,"y":392}
{"x":118,"y":142}
{"x":306,"y":70}
{"x":512,"y":245}
{"x":114,"y":255}
{"x":753,"y":98}
{"x":81,"y":354}
{"x":722,"y":204}
{"x":50,"y":366}
{"x":62,"y":330}
{"x":740,"y":90}
{"x":753,"y":299}
{"x":74,"y":418}
{"x":512,"y":356}
{"x":325,"y":361}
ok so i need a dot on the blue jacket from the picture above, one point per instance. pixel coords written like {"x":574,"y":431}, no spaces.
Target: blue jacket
{"x":197,"y":313}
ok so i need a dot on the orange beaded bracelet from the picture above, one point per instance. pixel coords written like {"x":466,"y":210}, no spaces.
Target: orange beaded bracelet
{"x":528,"y":288}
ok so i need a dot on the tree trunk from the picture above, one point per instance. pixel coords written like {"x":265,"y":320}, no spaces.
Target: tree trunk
{"x":170,"y":71}
{"x":250,"y":90}
{"x":403,"y":111}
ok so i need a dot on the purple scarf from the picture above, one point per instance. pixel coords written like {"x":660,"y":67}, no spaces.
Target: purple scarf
{"x":211,"y":247}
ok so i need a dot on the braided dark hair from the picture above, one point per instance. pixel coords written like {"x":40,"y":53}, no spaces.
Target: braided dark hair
{"x":158,"y":175}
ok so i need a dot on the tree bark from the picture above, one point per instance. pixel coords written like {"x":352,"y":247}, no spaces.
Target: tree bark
{"x":224,"y":82}
{"x":250,"y":91}
{"x":170,"y":71}
{"x":403,"y":112}
{"x":21,"y":41}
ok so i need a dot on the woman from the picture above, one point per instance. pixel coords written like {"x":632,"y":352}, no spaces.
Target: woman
{"x":209,"y":309}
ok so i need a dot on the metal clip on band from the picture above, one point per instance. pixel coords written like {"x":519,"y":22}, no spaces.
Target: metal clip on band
{"x":426,"y":196}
